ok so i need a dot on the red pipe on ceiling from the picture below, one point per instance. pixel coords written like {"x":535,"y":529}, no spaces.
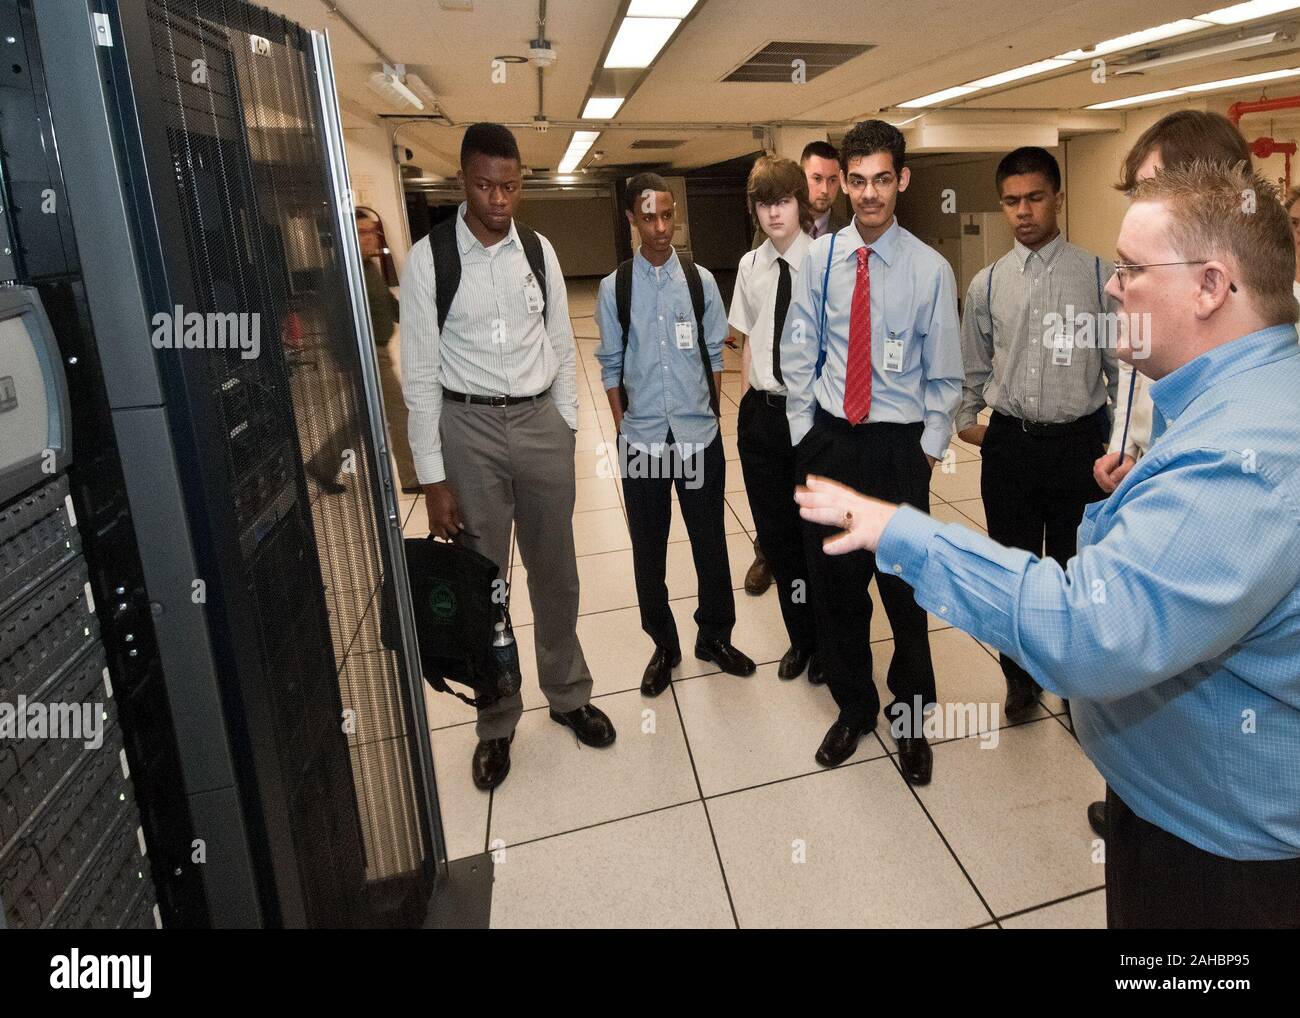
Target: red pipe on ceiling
{"x":1238,"y":110}
{"x":1262,"y":148}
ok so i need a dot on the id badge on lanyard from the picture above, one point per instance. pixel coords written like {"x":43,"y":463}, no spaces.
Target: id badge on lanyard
{"x":533,"y":295}
{"x":685,"y":335}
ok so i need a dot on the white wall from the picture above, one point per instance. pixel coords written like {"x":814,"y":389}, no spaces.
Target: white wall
{"x":1094,"y":209}
{"x":374,"y":183}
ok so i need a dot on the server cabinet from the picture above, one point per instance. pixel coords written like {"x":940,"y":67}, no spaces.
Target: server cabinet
{"x":208,"y":224}
{"x":93,"y":830}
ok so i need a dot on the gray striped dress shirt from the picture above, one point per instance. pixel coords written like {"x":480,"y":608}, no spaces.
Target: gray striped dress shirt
{"x":1009,"y":366}
{"x":491,"y":345}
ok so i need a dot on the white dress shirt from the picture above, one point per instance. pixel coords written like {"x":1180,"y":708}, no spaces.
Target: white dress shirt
{"x":490,"y":345}
{"x":1139,"y":428}
{"x":753,"y":305}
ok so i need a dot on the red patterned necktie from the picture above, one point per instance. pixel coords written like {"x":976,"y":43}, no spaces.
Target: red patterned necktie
{"x":857,"y":377}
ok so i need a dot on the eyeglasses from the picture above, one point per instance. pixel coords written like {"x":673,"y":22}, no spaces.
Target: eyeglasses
{"x":881,"y":181}
{"x":1124,"y":269}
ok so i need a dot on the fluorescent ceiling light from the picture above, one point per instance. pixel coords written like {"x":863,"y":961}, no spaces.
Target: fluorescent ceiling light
{"x":934,"y":98}
{"x":1137,"y":100}
{"x":1016,"y":73}
{"x":1233,"y":46}
{"x":639,"y":41}
{"x":1204,"y":86}
{"x":601,"y":107}
{"x":1248,"y":11}
{"x":1249,"y":79}
{"x":660,"y":8}
{"x":1225,"y":16}
{"x":578,"y":146}
{"x":418,"y":85}
{"x":388,"y":85}
{"x":1134,"y":39}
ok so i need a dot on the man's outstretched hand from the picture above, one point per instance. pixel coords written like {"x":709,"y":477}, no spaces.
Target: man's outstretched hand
{"x":861,"y":520}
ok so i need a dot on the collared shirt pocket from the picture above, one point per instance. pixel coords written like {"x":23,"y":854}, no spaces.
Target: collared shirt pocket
{"x":901,"y":319}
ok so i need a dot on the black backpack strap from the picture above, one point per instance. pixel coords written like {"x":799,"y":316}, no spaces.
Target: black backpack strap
{"x":696,"y":288}
{"x":623,"y":299}
{"x":446,"y":266}
{"x":536,"y":261}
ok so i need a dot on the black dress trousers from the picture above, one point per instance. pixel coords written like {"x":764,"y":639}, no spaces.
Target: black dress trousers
{"x":768,"y":461}
{"x":884,"y":461}
{"x":648,"y":482}
{"x":1035,"y":488}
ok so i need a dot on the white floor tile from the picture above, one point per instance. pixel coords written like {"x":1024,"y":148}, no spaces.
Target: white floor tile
{"x":657,"y":871}
{"x":972,"y":509}
{"x":746,"y":732}
{"x":596,"y":493}
{"x":962,"y":483}
{"x":871,"y":857}
{"x":1015,"y":814}
{"x":557,"y":784}
{"x":464,"y":808}
{"x":1086,"y":912}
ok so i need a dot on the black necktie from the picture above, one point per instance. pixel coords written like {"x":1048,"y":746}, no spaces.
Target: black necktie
{"x":778,"y":319}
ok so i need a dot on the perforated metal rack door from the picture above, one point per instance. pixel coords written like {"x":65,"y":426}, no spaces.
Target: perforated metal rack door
{"x":242,"y":126}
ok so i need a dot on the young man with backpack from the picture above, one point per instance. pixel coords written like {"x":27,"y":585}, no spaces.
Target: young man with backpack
{"x":489,"y":374}
{"x":662,"y":329}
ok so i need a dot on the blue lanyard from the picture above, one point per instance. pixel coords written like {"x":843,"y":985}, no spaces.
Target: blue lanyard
{"x":1128,"y":415}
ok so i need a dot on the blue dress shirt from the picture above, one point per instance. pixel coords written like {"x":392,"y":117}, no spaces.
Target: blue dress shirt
{"x":913,"y":298}
{"x":666,"y":387}
{"x":1175,"y":631}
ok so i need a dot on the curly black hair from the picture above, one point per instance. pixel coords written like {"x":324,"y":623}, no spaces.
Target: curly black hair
{"x":872,"y":136}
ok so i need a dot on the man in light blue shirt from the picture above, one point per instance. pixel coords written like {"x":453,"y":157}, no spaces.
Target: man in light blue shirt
{"x":662,"y":328}
{"x":871,"y":356}
{"x":1175,"y":631}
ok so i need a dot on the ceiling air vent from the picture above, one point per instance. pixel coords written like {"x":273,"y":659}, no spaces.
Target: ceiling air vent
{"x":657,"y":143}
{"x":775,"y":61}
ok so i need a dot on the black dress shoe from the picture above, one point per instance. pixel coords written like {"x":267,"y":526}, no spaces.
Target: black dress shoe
{"x":816,"y":673}
{"x":724,"y":655}
{"x":759,"y":576}
{"x":1021,"y":697}
{"x":840,"y":743}
{"x":915,"y":759}
{"x":793,"y":664}
{"x":590,"y":724}
{"x":491,"y":762}
{"x":1097,"y":818}
{"x":659,"y":672}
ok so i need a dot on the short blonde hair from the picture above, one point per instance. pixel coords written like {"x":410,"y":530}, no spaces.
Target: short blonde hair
{"x":1231,"y":213}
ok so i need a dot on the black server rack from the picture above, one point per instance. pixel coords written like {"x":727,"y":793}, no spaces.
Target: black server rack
{"x":201,"y":195}
{"x":92,"y":832}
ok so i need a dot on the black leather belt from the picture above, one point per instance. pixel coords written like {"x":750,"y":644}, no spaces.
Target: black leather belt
{"x":1051,"y":430}
{"x":477,"y":400}
{"x":773,"y":399}
{"x":830,"y":420}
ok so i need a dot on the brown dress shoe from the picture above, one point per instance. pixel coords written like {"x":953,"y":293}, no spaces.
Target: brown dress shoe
{"x":759,"y":577}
